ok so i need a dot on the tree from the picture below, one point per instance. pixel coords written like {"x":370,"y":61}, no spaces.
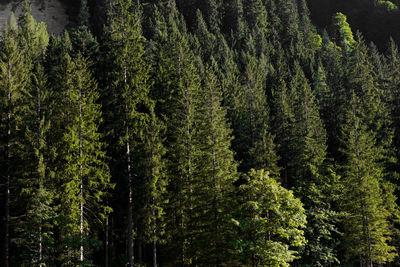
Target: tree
{"x":215,"y":173}
{"x":128,"y":86}
{"x":367,"y":231}
{"x":12,"y":87}
{"x":154,"y":186}
{"x":179,"y":98}
{"x":85,"y":175}
{"x":344,"y":35}
{"x":270,"y":221}
{"x":254,"y":143}
{"x":34,"y":231}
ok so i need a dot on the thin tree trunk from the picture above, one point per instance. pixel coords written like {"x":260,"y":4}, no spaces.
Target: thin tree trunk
{"x":81,"y":256}
{"x":130,"y":203}
{"x":39,"y":134}
{"x":139,"y":246}
{"x":7,"y":209}
{"x":106,"y":245}
{"x":362,"y":199}
{"x":154,"y":254}
{"x":131,"y":255}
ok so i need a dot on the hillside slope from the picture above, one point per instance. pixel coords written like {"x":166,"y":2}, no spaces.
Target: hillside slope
{"x":52,"y":12}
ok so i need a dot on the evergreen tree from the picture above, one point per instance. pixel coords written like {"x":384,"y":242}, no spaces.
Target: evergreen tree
{"x":85,"y":176}
{"x":343,"y":35}
{"x":215,"y":173}
{"x":34,"y":233}
{"x":254,"y":142}
{"x":127,"y":98}
{"x":155,"y":185}
{"x":180,"y":102}
{"x":12,"y":87}
{"x":367,"y":231}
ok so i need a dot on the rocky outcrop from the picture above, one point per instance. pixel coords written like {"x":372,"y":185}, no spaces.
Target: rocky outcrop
{"x":52,"y":12}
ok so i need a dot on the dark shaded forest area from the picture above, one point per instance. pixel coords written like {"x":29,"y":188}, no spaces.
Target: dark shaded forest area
{"x":202,"y":133}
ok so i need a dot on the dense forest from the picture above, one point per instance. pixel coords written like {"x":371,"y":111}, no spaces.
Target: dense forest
{"x":200,"y":133}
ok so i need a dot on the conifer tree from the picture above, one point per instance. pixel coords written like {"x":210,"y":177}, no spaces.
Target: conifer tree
{"x":12,"y":87}
{"x":215,"y":173}
{"x":154,"y":185}
{"x":308,"y":128}
{"x":254,"y":142}
{"x":344,"y":35}
{"x":206,"y":39}
{"x":85,"y":174}
{"x":212,"y":15}
{"x":182,"y":147}
{"x":35,"y":233}
{"x":127,"y":96}
{"x":367,"y":231}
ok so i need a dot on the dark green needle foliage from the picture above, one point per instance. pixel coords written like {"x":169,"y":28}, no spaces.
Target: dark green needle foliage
{"x":201,"y":133}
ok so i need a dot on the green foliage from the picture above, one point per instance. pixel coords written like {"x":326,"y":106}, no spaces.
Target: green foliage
{"x":155,"y":165}
{"x":388,"y":5}
{"x":344,"y":33}
{"x":215,"y":173}
{"x":367,"y":231}
{"x":270,"y":222}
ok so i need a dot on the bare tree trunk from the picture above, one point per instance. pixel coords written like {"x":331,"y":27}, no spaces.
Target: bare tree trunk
{"x":131,"y":255}
{"x":139,"y":246}
{"x":7,"y":214}
{"x":81,"y":256}
{"x":106,"y":245}
{"x":7,"y":209}
{"x":130,"y":203}
{"x":41,"y":174}
{"x":154,"y":254}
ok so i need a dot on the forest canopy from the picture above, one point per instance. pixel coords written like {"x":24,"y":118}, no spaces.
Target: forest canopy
{"x":199,"y":133}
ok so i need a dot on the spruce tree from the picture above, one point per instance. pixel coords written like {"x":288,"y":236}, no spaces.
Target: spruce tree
{"x":85,"y":175}
{"x":126,"y":98}
{"x":215,"y":173}
{"x":367,"y":231}
{"x":154,"y":185}
{"x":12,"y":86}
{"x":254,"y":142}
{"x":35,"y":230}
{"x":343,"y":35}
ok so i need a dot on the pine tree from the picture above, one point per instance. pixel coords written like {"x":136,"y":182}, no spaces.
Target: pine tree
{"x":367,"y":231}
{"x":335,"y":71}
{"x":308,"y":129}
{"x":127,"y":97}
{"x":215,"y":173}
{"x":206,"y":39}
{"x":182,"y":149}
{"x":12,"y":87}
{"x":254,"y":142}
{"x":234,"y":23}
{"x":343,"y":35}
{"x":155,"y":184}
{"x":34,"y":232}
{"x":85,"y":176}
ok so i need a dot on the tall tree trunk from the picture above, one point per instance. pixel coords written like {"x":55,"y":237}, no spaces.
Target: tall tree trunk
{"x":81,"y":256}
{"x":106,"y":243}
{"x":7,"y":209}
{"x":130,"y":203}
{"x":139,"y":246}
{"x":40,"y":171}
{"x":154,"y":254}
{"x":131,"y":245}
